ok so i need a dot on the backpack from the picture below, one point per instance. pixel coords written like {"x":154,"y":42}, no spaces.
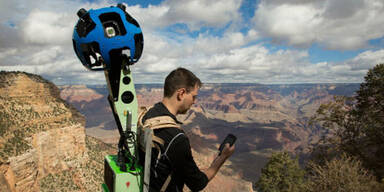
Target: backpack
{"x":147,"y":141}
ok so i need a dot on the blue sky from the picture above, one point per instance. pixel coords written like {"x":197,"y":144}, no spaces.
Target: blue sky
{"x":260,"y":41}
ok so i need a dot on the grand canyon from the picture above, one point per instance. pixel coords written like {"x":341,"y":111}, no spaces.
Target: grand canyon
{"x":265,"y":118}
{"x":55,"y":137}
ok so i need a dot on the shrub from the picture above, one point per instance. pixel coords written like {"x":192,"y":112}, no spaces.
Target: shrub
{"x":344,"y":174}
{"x":281,"y":173}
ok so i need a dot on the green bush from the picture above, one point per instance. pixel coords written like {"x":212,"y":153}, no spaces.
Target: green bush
{"x":62,"y":181}
{"x":281,"y":174}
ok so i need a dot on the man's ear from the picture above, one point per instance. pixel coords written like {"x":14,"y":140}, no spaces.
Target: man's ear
{"x":180,"y":93}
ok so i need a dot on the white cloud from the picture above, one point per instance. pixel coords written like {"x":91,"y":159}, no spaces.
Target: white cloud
{"x":44,"y":27}
{"x":294,"y":23}
{"x":197,"y":13}
{"x":194,"y":13}
{"x":367,"y":60}
{"x":46,"y":55}
{"x":334,"y":24}
{"x":209,"y":44}
{"x":163,"y":52}
{"x":7,"y":52}
{"x":257,"y":64}
{"x":149,"y":18}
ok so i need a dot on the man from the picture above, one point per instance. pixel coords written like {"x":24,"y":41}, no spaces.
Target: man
{"x":181,"y":88}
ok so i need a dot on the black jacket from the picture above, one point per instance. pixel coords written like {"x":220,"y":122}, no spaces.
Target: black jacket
{"x":180,"y":160}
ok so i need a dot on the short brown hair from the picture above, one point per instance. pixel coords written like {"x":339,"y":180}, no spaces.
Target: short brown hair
{"x":180,"y":78}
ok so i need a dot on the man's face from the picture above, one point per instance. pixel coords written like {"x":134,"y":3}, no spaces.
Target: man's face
{"x":189,"y":98}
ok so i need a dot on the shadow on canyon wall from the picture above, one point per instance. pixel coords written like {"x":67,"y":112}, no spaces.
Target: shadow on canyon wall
{"x":255,"y":141}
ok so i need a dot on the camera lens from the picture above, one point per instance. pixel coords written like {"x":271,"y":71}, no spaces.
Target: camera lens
{"x":110,"y":31}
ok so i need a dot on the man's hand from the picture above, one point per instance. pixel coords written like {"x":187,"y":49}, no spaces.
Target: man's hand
{"x":219,"y":161}
{"x":228,"y":151}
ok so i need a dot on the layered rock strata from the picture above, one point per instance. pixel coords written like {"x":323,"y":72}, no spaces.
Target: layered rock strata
{"x":43,"y":145}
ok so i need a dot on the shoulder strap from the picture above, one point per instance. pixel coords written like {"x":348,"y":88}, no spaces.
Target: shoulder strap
{"x":140,"y":129}
{"x":143,"y":110}
{"x":170,"y":143}
{"x":160,"y":122}
{"x":169,"y":178}
{"x":166,"y":183}
{"x":156,"y":122}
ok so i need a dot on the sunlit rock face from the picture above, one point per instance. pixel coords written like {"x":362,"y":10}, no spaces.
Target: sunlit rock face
{"x":43,"y":144}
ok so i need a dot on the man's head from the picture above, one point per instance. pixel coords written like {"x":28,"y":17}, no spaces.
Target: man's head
{"x":182,"y":86}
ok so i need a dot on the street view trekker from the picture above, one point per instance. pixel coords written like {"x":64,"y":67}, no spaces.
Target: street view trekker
{"x":172,"y":164}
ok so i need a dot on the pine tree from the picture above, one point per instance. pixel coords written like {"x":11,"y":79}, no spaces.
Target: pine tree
{"x":369,"y":114}
{"x":281,"y":174}
{"x":357,"y":124}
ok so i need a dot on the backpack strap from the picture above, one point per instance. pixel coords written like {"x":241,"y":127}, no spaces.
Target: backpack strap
{"x":156,"y":122}
{"x":170,"y":143}
{"x":153,"y":124}
{"x":160,"y":122}
{"x":166,"y":183}
{"x":158,"y":140}
{"x":143,"y":110}
{"x":147,"y":163}
{"x":169,"y":178}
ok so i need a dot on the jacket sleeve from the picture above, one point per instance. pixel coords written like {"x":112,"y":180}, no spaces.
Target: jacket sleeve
{"x":184,"y":163}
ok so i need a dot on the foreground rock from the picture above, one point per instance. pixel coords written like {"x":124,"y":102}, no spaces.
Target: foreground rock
{"x":43,"y":145}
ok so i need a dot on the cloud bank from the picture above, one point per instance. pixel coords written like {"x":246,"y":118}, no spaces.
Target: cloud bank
{"x":334,"y":24}
{"x":36,"y":37}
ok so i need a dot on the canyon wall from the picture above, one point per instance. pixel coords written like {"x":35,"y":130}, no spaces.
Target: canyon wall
{"x":43,"y":144}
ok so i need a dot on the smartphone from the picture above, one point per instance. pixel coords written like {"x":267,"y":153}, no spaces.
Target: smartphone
{"x":231,"y":139}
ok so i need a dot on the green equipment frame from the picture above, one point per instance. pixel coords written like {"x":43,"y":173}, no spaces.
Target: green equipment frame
{"x":122,"y":172}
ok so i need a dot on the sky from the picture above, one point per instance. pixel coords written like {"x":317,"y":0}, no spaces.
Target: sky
{"x":221,"y":41}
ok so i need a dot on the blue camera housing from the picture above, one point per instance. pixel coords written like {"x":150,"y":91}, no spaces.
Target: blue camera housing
{"x":95,"y":46}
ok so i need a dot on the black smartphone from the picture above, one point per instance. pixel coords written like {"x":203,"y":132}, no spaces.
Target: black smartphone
{"x":231,"y":139}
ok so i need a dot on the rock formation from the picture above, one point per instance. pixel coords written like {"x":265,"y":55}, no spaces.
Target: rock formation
{"x":43,"y":145}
